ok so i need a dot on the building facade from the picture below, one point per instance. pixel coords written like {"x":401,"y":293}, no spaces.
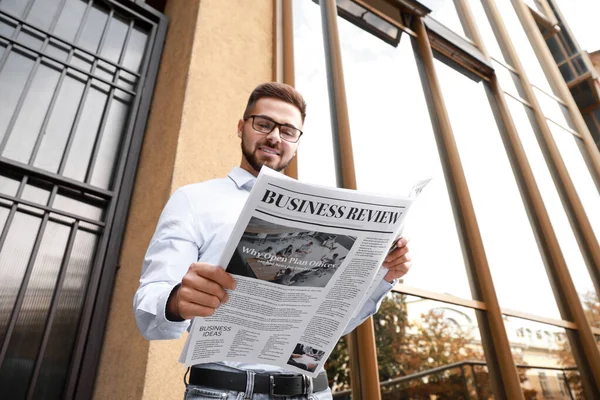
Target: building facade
{"x":108,"y":106}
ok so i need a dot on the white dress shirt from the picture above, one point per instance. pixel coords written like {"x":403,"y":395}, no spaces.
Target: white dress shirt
{"x":194,"y":227}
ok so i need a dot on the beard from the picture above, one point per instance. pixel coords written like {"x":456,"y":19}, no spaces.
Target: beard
{"x":256,"y":164}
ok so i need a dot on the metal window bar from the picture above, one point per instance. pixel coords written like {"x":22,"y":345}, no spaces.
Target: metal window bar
{"x":15,"y":33}
{"x":27,"y":86}
{"x":51,"y":177}
{"x":64,"y":64}
{"x":73,"y":45}
{"x":16,"y":308}
{"x":465,"y":384}
{"x":11,"y":214}
{"x":82,"y":369}
{"x":83,"y":100}
{"x":476,"y":382}
{"x":47,"y":208}
{"x":57,"y":89}
{"x":109,"y":245}
{"x":106,"y":111}
{"x":52,"y":311}
{"x":343,"y":394}
{"x":128,"y":12}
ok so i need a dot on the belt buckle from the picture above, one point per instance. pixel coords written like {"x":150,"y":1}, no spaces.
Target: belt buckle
{"x":306,"y":385}
{"x":272,"y":387}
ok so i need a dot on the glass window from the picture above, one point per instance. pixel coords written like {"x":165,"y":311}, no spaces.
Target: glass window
{"x":542,"y":360}
{"x":394,"y":146}
{"x":486,"y":31}
{"x":26,"y":337}
{"x":526,"y":127}
{"x":554,"y":110}
{"x":13,"y":78}
{"x":26,"y":130}
{"x":499,"y":208}
{"x":555,"y":48}
{"x":572,"y":150}
{"x":315,"y":154}
{"x":509,"y":81}
{"x":520,"y":41}
{"x":445,"y":11}
{"x":416,"y":335}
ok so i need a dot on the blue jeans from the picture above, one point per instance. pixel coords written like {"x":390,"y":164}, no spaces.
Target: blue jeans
{"x":197,"y":392}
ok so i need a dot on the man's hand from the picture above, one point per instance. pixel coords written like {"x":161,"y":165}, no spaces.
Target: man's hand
{"x":202,"y":290}
{"x":398,"y":261}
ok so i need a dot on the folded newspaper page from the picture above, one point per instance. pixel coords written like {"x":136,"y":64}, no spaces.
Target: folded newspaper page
{"x":304,"y":257}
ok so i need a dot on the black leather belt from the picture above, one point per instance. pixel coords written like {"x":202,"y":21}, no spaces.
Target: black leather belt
{"x":275,"y":384}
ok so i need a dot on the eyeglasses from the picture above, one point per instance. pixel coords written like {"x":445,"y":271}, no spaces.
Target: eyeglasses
{"x":265,"y":125}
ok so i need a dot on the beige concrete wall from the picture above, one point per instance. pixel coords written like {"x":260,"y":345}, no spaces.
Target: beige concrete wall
{"x":216,"y":53}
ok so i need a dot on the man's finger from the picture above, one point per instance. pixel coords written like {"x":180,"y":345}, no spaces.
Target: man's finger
{"x":394,"y":259}
{"x":214,"y":273}
{"x":191,"y":296}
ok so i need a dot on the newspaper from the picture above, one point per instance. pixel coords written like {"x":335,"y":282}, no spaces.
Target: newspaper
{"x":305,"y":258}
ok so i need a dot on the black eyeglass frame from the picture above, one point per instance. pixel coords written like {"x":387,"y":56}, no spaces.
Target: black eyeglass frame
{"x":276,"y":124}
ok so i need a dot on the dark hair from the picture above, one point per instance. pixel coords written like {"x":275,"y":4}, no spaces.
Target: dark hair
{"x":279,"y":91}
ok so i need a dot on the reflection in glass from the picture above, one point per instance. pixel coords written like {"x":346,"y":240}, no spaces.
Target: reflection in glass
{"x":136,"y":49}
{"x":9,"y":185}
{"x":415,"y":335}
{"x":85,"y":135}
{"x":499,"y":208}
{"x":93,"y":28}
{"x":17,"y":368}
{"x":15,"y":7}
{"x":544,"y":359}
{"x":394,"y":146}
{"x":42,"y":13}
{"x":59,"y":125}
{"x":63,"y":330}
{"x":31,"y":115}
{"x":14,"y":257}
{"x":84,"y":206}
{"x":526,"y":128}
{"x":315,"y":154}
{"x":110,"y":145}
{"x":572,"y":151}
{"x":115,"y":39}
{"x":521,"y":43}
{"x":12,"y":81}
{"x":70,"y":19}
{"x":36,"y":194}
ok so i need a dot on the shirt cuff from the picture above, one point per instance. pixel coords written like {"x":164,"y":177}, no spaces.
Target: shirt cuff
{"x":382,"y":289}
{"x":164,"y":324}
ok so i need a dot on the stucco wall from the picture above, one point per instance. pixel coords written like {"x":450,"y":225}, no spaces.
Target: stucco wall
{"x":216,"y":52}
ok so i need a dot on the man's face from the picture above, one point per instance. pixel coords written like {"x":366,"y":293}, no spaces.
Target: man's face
{"x":260,"y":149}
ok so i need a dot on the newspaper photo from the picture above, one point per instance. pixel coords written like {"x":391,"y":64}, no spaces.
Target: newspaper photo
{"x":304,"y":258}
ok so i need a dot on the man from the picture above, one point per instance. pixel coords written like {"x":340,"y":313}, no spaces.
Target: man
{"x":180,"y":280}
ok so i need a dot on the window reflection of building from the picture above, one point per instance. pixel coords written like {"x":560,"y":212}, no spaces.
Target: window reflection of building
{"x":387,"y":93}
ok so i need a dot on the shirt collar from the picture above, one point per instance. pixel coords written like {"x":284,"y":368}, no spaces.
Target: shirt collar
{"x":242,"y":178}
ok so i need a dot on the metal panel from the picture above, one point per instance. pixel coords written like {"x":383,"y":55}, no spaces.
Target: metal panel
{"x":76,"y":78}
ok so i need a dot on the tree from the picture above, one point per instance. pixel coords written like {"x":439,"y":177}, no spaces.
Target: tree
{"x":591,"y":307}
{"x":405,"y":348}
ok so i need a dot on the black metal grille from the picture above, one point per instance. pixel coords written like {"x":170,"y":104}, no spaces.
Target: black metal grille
{"x":72,"y":110}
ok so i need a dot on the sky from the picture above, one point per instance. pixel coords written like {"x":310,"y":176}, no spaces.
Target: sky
{"x":584,"y":25}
